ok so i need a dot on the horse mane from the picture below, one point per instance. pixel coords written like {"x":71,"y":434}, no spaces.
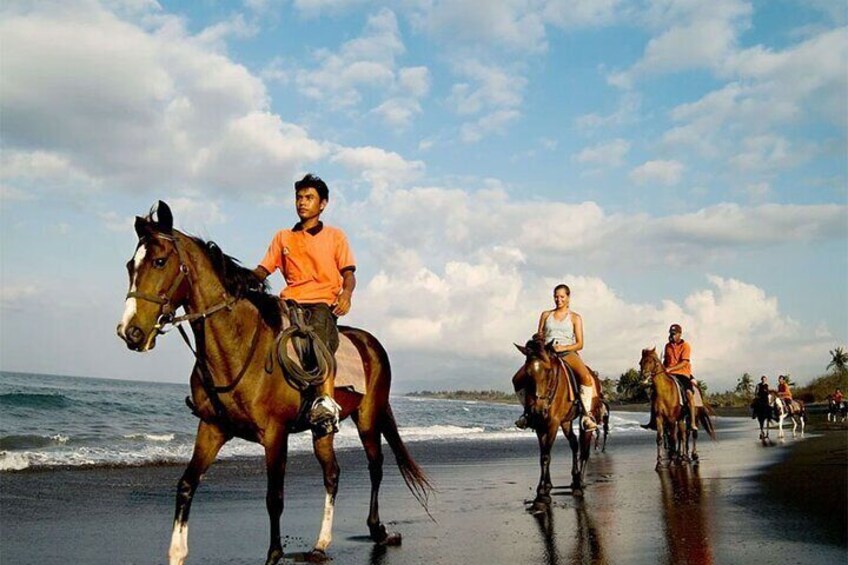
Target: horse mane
{"x":242,"y":282}
{"x":537,"y":348}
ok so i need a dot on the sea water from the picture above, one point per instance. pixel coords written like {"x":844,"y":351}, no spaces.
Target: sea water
{"x":48,"y":421}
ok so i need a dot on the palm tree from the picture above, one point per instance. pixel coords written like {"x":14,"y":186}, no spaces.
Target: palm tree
{"x":745,"y":386}
{"x":839,"y":360}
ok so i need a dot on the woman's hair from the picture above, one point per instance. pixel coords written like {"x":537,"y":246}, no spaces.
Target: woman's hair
{"x":563,"y":287}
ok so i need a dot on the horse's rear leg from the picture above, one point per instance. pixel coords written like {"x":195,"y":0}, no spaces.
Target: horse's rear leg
{"x":370,"y":438}
{"x":326,"y":455}
{"x":207,"y":444}
{"x":276,"y":456}
{"x":660,"y":427}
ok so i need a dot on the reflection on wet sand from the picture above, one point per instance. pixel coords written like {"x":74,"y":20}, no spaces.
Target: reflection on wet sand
{"x":686,"y":516}
{"x":587,"y":537}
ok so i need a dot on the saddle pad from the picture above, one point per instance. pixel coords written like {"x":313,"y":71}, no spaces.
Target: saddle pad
{"x":569,"y":379}
{"x":681,"y":396}
{"x":350,"y":371}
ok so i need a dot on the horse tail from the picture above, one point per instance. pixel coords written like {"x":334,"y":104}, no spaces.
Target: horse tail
{"x":413,"y":475}
{"x":707,"y":422}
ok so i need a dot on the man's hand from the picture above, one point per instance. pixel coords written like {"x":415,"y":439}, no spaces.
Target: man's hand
{"x":342,"y":305}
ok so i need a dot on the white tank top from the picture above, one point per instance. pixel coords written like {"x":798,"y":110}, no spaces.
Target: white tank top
{"x":561,"y":332}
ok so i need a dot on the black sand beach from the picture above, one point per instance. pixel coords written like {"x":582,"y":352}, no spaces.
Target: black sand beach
{"x":747,"y":502}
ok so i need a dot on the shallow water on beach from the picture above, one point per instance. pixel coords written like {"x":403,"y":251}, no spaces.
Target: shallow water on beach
{"x":50,"y":421}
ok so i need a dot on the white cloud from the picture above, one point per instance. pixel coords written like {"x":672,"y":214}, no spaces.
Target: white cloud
{"x":491,"y":87}
{"x":611,"y":153}
{"x":315,"y":8}
{"x":663,"y":172}
{"x":496,"y":122}
{"x":151,"y":105}
{"x":378,"y":166}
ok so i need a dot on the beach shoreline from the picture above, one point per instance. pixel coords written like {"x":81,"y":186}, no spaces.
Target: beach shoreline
{"x":634,"y":514}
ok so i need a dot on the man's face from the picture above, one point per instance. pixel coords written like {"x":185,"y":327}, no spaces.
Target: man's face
{"x":674,"y":336}
{"x":308,"y":204}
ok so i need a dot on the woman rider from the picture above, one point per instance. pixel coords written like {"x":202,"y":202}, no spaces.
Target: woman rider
{"x":563,"y":330}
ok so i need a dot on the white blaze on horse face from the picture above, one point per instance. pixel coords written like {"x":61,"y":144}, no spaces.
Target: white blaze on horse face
{"x":178,"y":551}
{"x":130,"y":308}
{"x":326,"y":534}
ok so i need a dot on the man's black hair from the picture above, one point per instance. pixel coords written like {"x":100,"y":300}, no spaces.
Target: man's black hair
{"x":313,"y":181}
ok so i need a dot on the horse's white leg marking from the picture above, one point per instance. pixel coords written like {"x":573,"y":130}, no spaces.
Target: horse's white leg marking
{"x":130,"y":308}
{"x":326,"y":534}
{"x":178,"y":551}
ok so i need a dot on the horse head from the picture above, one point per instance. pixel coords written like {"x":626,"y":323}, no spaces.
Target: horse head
{"x":649,"y":365}
{"x":158,"y":284}
{"x":540,"y":372}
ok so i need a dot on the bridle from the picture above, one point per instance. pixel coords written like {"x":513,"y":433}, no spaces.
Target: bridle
{"x":165,"y":299}
{"x":166,"y":318}
{"x":552,"y":390}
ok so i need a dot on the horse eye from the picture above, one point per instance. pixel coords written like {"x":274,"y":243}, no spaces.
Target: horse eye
{"x":159,"y":263}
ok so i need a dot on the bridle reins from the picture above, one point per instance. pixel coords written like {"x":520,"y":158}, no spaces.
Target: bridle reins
{"x":166,"y":318}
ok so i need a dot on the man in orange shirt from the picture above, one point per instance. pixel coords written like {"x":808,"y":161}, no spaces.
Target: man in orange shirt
{"x":676,"y":361}
{"x":784,"y":393}
{"x":318,"y":266}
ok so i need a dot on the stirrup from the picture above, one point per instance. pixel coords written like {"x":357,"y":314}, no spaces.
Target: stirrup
{"x":324,"y":416}
{"x":521,"y":423}
{"x":588,"y":423}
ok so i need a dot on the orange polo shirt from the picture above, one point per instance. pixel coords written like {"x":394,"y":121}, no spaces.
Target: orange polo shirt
{"x":312,"y":262}
{"x":674,"y":354}
{"x":783,"y":391}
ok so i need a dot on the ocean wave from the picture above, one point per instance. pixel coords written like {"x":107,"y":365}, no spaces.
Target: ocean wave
{"x":33,"y":400}
{"x":151,"y":437}
{"x":31,"y":441}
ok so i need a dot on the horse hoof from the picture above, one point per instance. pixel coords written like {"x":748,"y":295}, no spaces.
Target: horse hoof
{"x":274,"y":556}
{"x":317,"y":556}
{"x":539,"y":506}
{"x":577,"y":492}
{"x":391,"y":539}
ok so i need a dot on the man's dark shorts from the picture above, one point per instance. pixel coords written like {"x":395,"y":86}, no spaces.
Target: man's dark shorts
{"x":323,"y":321}
{"x":685,"y":382}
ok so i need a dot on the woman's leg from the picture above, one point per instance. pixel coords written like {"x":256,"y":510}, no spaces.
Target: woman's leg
{"x":587,"y":388}
{"x":584,"y":377}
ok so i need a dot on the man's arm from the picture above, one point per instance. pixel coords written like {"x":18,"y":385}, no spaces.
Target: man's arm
{"x":261,"y":272}
{"x":342,"y":305}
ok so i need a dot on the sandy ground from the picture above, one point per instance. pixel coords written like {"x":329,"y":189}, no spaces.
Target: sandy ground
{"x":746,"y":502}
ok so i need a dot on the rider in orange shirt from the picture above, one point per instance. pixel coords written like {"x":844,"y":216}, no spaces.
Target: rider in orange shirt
{"x":318,"y":266}
{"x":784,"y":393}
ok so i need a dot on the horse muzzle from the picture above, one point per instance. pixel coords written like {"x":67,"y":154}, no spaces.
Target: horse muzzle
{"x":136,"y":339}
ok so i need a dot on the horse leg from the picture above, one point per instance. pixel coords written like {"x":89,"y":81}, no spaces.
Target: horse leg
{"x":370,"y":438}
{"x":683,"y":441}
{"x":207,"y":444}
{"x":575,"y":444}
{"x":326,"y":455}
{"x":660,"y":428}
{"x":780,"y":425}
{"x":276,"y":456}
{"x":695,"y":457}
{"x":585,"y":451}
{"x":543,"y":490}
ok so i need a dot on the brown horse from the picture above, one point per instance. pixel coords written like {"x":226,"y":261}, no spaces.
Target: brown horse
{"x":547,"y":389}
{"x":237,"y":390}
{"x":669,"y":414}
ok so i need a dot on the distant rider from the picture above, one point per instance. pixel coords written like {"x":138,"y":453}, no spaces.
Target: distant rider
{"x":760,"y":396}
{"x":784,"y":393}
{"x":676,"y":360}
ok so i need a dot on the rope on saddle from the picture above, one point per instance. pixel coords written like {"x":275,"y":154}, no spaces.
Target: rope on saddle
{"x":316,"y":360}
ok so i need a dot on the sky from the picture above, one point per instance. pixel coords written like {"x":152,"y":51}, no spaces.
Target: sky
{"x":672,"y":161}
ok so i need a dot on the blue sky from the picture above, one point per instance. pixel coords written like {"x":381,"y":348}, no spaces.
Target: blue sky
{"x":670,"y":160}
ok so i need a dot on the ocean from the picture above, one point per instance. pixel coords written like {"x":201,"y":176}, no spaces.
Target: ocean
{"x":53,"y":421}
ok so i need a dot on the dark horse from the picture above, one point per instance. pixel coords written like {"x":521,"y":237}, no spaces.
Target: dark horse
{"x":669,"y":413}
{"x":547,"y":389}
{"x":237,"y":390}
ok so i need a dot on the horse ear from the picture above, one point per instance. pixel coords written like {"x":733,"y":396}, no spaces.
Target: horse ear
{"x":164,"y":219}
{"x":142,"y":226}
{"x":521,"y":348}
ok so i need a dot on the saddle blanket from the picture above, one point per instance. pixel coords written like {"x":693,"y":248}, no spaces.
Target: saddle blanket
{"x":350,"y":371}
{"x":681,"y":395}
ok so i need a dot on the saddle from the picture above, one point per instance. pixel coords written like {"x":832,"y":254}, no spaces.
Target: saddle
{"x":681,"y":395}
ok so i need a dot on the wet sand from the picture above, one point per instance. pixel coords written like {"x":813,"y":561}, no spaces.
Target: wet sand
{"x":729,"y":509}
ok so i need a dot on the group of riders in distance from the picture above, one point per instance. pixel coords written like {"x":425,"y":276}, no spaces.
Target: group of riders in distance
{"x":246,"y":384}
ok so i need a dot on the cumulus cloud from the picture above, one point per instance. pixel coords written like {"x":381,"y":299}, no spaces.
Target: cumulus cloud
{"x":139,"y":105}
{"x":611,"y":153}
{"x":667,"y":173}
